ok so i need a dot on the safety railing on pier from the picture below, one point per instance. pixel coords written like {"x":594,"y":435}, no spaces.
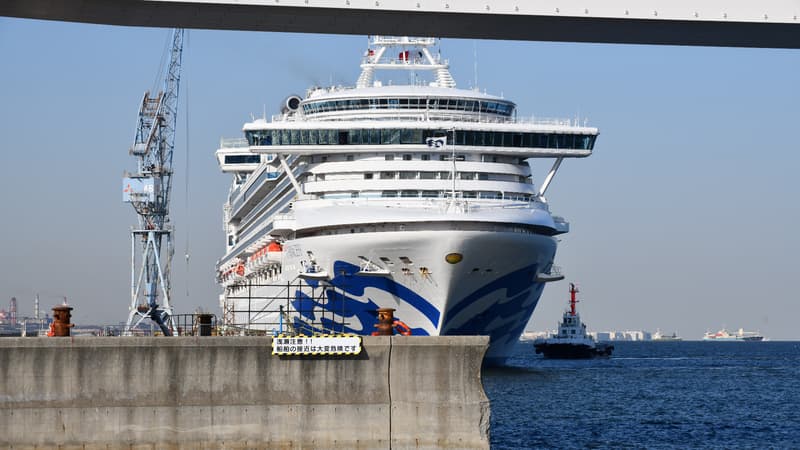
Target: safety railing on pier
{"x":293,"y":308}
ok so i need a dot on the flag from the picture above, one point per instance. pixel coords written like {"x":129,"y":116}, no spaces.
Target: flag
{"x":436,"y":142}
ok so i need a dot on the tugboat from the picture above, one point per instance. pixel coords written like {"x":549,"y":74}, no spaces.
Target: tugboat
{"x":571,"y":341}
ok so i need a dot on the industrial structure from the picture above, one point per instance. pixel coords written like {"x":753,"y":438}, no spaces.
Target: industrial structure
{"x":148,"y":191}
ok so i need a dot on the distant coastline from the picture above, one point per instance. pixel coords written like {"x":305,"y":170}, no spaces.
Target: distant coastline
{"x":629,"y":335}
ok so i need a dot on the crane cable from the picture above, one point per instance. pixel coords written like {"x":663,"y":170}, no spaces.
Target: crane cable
{"x":162,"y":63}
{"x":186,"y":185}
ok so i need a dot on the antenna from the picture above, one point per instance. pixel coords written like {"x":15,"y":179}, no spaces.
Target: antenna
{"x":475,"y":62}
{"x":572,"y":299}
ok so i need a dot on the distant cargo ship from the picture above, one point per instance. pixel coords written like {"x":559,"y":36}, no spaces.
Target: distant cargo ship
{"x":741,"y":335}
{"x":658,"y":336}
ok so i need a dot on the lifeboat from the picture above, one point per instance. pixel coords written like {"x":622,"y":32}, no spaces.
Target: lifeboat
{"x":274,"y":252}
{"x":262,"y":257}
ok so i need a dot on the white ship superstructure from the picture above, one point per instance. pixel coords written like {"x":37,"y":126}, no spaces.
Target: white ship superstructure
{"x":416,"y":197}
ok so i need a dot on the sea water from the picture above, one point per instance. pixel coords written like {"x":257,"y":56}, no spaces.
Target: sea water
{"x":727,"y":395}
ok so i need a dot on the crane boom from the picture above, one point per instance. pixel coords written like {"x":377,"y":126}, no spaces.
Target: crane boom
{"x":148,"y":191}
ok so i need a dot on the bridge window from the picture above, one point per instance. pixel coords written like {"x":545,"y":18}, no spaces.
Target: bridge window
{"x":374,"y":137}
{"x":354,"y":137}
{"x":407,"y":137}
{"x":449,"y":104}
{"x":394,"y":136}
{"x":242,"y":159}
{"x":390,"y":136}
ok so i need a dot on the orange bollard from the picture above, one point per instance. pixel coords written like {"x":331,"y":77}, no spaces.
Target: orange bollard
{"x":61,"y":318}
{"x":385,"y":323}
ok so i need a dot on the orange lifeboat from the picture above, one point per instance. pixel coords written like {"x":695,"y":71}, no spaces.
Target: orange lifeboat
{"x":274,"y":252}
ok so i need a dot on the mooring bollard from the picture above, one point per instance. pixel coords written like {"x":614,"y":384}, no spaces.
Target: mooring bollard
{"x":385,"y":323}
{"x":61,"y":317}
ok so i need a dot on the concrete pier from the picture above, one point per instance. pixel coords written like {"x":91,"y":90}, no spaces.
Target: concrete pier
{"x":231,"y":392}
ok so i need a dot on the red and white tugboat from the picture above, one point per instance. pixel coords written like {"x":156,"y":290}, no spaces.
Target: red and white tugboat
{"x":571,"y":341}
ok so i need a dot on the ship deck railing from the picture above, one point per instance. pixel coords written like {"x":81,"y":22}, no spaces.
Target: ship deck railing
{"x":233,"y":143}
{"x":441,"y":202}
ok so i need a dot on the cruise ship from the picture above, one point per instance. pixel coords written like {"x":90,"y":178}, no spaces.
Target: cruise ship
{"x":724,"y":336}
{"x":416,"y":196}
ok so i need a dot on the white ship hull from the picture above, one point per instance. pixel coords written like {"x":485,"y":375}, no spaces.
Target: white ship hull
{"x":491,"y":291}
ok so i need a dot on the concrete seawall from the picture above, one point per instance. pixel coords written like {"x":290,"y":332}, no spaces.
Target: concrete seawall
{"x":230,"y":392}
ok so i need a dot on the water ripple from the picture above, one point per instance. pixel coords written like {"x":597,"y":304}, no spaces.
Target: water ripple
{"x":650,"y":395}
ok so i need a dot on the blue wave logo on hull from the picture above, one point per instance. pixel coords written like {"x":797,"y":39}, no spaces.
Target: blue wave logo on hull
{"x":339,"y":300}
{"x":503,"y":319}
{"x":521,"y":297}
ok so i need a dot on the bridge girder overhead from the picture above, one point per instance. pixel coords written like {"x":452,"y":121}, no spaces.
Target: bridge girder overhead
{"x":768,"y":23}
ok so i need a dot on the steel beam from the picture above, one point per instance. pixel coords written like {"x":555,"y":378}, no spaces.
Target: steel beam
{"x":767,"y":23}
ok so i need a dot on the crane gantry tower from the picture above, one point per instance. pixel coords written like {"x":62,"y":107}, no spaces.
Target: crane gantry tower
{"x":148,"y":192}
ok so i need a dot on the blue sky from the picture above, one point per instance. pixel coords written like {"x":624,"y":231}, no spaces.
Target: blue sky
{"x":685,"y":218}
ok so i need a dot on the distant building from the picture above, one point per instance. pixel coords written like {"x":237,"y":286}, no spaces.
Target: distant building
{"x":627,"y":335}
{"x":602,"y":335}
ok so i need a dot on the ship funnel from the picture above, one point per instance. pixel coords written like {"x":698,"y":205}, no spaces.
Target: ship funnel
{"x":291,"y":104}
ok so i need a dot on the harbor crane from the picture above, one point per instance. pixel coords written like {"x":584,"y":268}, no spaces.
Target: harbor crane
{"x":148,"y":191}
